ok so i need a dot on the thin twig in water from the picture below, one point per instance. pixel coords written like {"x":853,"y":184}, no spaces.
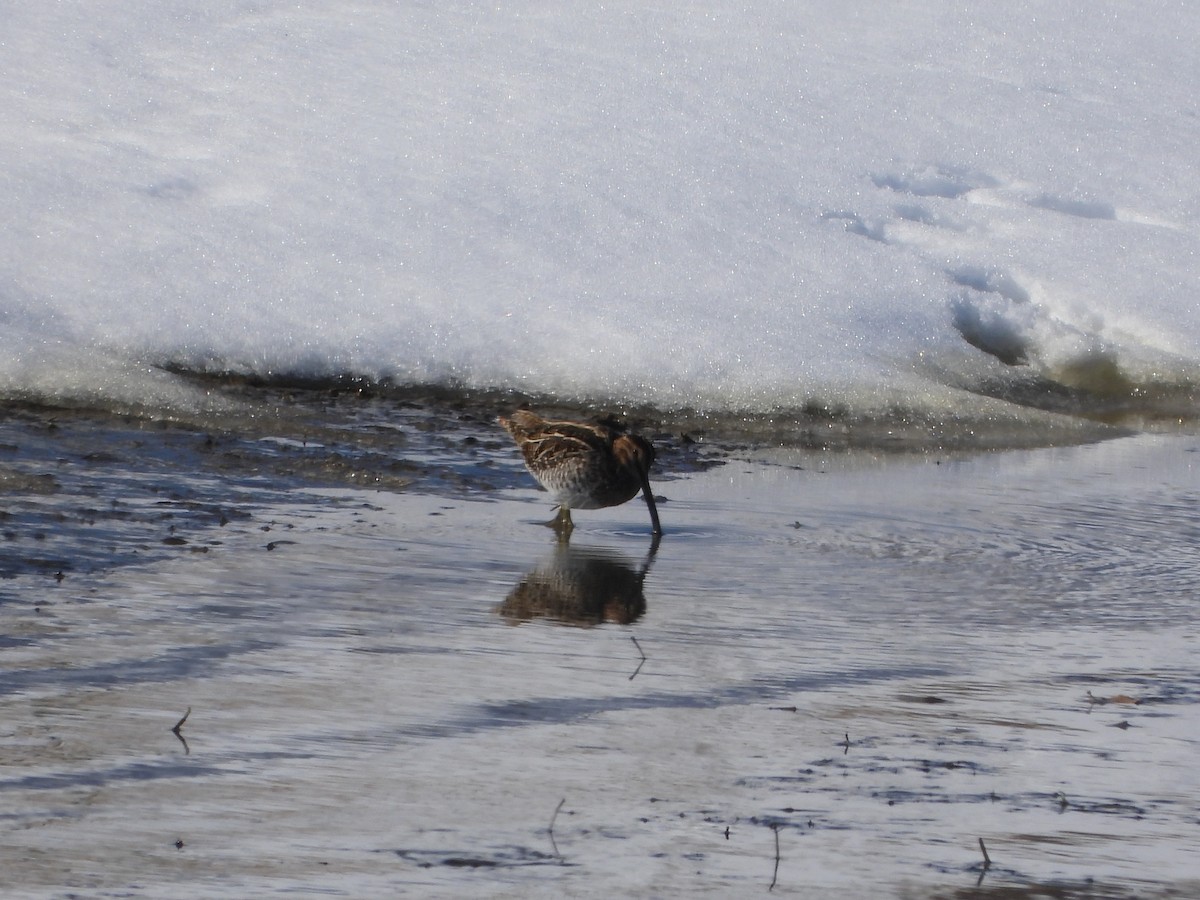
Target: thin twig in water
{"x":987,"y":864}
{"x":775,"y":874}
{"x":639,"y":647}
{"x":643,"y":654}
{"x":553,"y":819}
{"x":178,"y":732}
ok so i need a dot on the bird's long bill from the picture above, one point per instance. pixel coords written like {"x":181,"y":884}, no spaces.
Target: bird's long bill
{"x":649,"y":495}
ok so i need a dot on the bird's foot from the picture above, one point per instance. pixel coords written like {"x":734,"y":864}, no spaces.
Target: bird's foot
{"x":562,"y":524}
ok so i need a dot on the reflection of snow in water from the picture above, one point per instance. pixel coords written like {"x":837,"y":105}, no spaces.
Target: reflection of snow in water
{"x":883,"y":662}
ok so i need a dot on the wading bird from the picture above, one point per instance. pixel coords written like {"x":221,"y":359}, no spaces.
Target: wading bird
{"x":584,"y":466}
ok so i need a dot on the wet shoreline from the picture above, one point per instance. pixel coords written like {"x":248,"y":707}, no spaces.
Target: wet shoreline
{"x":62,"y":465}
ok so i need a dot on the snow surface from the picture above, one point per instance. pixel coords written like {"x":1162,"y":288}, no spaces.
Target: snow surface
{"x":713,"y":204}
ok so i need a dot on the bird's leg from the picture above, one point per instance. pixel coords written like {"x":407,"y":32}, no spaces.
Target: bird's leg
{"x":562,"y":524}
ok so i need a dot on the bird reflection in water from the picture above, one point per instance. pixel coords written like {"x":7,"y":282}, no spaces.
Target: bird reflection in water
{"x":581,"y":586}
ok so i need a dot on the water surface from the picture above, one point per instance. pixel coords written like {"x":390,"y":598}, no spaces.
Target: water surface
{"x":875,"y":660}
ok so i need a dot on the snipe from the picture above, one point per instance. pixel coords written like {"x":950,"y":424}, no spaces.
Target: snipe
{"x":584,"y":466}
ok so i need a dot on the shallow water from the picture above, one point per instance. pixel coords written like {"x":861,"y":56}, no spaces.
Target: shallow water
{"x":834,"y":673}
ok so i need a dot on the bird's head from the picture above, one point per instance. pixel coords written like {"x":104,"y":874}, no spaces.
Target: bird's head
{"x":636,"y":454}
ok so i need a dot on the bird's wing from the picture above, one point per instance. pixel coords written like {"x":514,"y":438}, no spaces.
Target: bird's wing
{"x":559,"y":441}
